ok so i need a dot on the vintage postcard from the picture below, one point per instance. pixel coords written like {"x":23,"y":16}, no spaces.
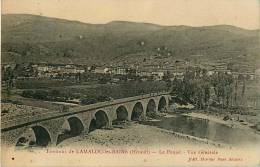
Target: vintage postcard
{"x":156,"y":83}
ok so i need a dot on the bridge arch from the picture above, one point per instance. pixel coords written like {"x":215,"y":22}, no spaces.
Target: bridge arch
{"x":35,"y":136}
{"x":42,"y":136}
{"x":138,"y":112}
{"x":75,"y":126}
{"x":71,"y":127}
{"x":121,"y":113}
{"x":100,"y":120}
{"x":162,"y":104}
{"x":92,"y":125}
{"x":151,"y":108}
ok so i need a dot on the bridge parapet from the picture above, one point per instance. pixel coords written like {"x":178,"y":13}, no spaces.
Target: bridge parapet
{"x":116,"y":101}
{"x":21,"y":121}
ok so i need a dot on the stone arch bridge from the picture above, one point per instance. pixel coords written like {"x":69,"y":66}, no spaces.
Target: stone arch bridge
{"x":52,"y":127}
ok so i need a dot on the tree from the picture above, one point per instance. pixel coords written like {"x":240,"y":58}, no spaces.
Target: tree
{"x":206,"y":93}
{"x":8,"y":76}
{"x":104,"y":79}
{"x":236,"y":86}
{"x":167,"y":79}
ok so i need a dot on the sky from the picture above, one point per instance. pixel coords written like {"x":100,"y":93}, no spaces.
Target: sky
{"x":241,"y":13}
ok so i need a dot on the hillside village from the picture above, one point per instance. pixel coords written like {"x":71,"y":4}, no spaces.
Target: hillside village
{"x":155,"y":72}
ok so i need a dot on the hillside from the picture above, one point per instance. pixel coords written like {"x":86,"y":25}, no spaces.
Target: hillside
{"x":29,"y":38}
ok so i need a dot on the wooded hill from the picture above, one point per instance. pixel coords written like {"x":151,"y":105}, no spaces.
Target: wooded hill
{"x":30,"y":38}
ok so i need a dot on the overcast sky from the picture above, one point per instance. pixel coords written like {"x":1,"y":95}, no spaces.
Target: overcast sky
{"x":241,"y":13}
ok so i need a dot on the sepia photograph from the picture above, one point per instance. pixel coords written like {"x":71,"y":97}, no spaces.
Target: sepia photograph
{"x":130,"y":83}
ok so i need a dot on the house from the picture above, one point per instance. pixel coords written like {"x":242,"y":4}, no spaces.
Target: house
{"x":210,"y":73}
{"x":144,"y":72}
{"x":178,"y":75}
{"x":120,"y":70}
{"x":107,"y":70}
{"x":235,"y":75}
{"x":53,"y":70}
{"x":102,"y":70}
{"x":158,"y":75}
{"x":42,"y":68}
{"x":251,"y":76}
{"x":80,"y":70}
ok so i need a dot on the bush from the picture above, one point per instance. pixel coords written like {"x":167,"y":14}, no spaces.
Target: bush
{"x":28,"y":93}
{"x":87,"y":101}
{"x":104,"y":79}
{"x":41,"y":94}
{"x":103,"y":98}
{"x":54,"y":92}
{"x":37,"y":94}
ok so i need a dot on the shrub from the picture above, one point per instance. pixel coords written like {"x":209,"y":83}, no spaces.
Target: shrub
{"x":103,"y":98}
{"x":87,"y":101}
{"x":40,"y":94}
{"x":28,"y":93}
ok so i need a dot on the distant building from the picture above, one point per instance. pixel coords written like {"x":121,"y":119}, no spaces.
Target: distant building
{"x":42,"y":68}
{"x":80,"y":70}
{"x":178,"y":75}
{"x":107,"y":70}
{"x":251,"y":76}
{"x":144,"y":73}
{"x":210,"y":73}
{"x":247,"y":75}
{"x":102,"y":70}
{"x":158,"y":75}
{"x":53,"y":70}
{"x":120,"y":71}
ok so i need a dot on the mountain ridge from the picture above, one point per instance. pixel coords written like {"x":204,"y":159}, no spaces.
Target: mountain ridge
{"x":121,"y":21}
{"x":30,"y":38}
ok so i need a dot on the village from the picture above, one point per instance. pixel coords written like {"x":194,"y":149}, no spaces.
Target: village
{"x":145,"y":72}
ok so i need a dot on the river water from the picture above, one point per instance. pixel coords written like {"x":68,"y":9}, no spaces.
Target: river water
{"x":204,"y":128}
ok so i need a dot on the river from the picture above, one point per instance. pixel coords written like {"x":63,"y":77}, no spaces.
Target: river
{"x":208,"y":129}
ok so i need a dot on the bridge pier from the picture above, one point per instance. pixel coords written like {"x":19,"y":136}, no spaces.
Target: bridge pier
{"x":54,"y":140}
{"x":109,"y":125}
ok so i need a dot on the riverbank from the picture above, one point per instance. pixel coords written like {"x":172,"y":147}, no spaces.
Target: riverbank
{"x":246,"y":124}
